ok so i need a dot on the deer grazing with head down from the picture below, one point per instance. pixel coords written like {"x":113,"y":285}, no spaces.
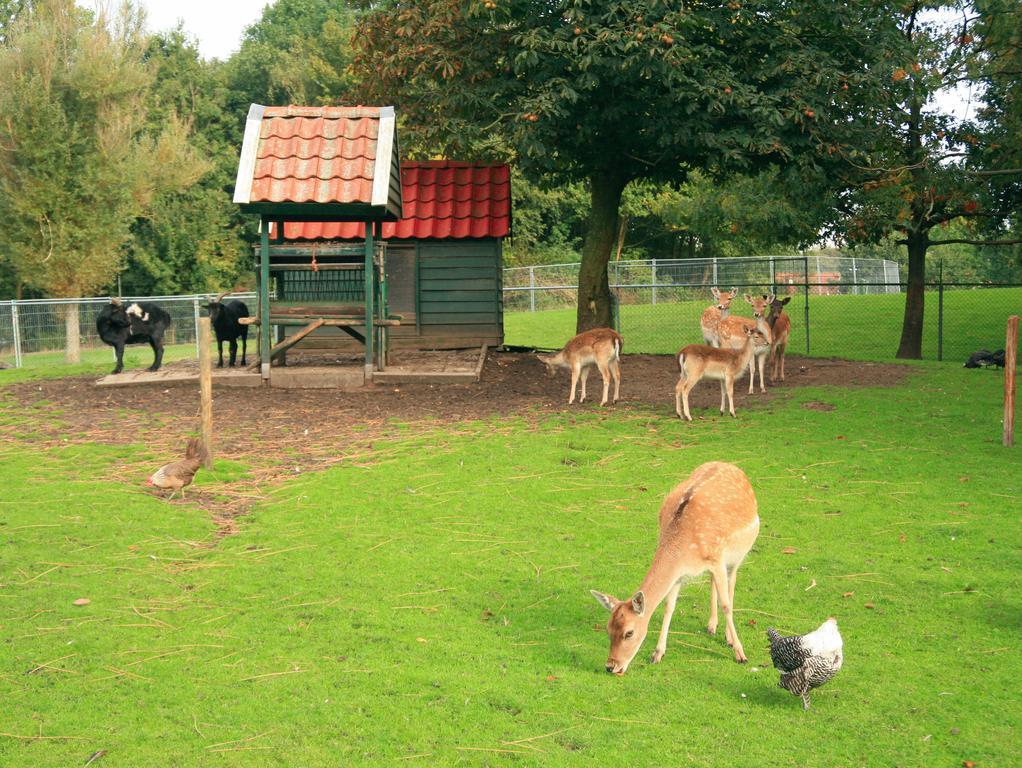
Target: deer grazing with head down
{"x":600,"y":347}
{"x":731,"y":335}
{"x":780,"y":325}
{"x":712,"y":316}
{"x":707,"y":523}
{"x":699,"y":361}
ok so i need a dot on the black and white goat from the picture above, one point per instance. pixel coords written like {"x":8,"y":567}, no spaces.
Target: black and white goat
{"x":225,"y":318}
{"x":140,"y":322}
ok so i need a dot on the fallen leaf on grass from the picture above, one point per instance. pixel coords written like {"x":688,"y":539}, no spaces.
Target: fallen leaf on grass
{"x":551,"y":678}
{"x":82,"y":601}
{"x":95,"y":756}
{"x":847,"y":594}
{"x":789,"y":550}
{"x":751,"y":622}
{"x":870,"y":606}
{"x":968,"y":764}
{"x":421,"y":640}
{"x":903,"y":538}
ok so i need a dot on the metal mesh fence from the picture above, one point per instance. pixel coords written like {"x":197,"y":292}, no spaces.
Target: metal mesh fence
{"x":36,"y":330}
{"x":839,"y":306}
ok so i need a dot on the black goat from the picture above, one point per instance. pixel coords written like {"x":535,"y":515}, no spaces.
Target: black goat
{"x":224,"y":317}
{"x":138,"y":323}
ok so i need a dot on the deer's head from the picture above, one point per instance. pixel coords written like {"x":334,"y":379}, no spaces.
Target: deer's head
{"x":552,"y":362}
{"x":627,"y":628}
{"x":760,"y":304}
{"x":777,"y":305}
{"x":723,"y":298}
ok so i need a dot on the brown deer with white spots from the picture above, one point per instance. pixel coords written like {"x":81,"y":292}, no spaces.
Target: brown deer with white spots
{"x":699,"y":361}
{"x":731,"y":336}
{"x":712,"y":316}
{"x":780,"y":325}
{"x":600,"y":347}
{"x":707,"y":523}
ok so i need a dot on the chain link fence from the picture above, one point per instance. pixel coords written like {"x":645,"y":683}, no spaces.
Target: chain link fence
{"x":35,"y":331}
{"x":839,"y":306}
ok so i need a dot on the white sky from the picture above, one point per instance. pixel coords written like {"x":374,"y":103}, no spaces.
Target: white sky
{"x":216,"y":24}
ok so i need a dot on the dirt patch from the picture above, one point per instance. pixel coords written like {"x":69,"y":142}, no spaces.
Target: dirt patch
{"x":284,"y":432}
{"x":818,"y":405}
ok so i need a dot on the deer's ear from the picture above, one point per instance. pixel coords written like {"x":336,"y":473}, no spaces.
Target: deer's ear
{"x":786,"y":299}
{"x":639,"y":603}
{"x":748,"y":298}
{"x":607,"y":601}
{"x":770,"y":299}
{"x":715,"y":291}
{"x":734,"y":291}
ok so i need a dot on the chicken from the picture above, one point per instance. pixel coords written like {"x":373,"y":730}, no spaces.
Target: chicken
{"x":176,"y":475}
{"x":807,"y":661}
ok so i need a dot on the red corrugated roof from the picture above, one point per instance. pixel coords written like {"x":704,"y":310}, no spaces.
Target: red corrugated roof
{"x":442,"y":199}
{"x":320,"y":155}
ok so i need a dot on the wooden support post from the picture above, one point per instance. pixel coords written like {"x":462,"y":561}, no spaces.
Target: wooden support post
{"x":370,"y":308}
{"x":206,"y":388}
{"x":1010,"y":363}
{"x":264,"y":297}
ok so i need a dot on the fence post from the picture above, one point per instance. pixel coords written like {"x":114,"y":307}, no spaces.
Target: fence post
{"x":940,"y":312}
{"x":17,"y":334}
{"x":714,"y":270}
{"x":1010,"y":358}
{"x":855,"y":278}
{"x":195,"y":308}
{"x":773,"y":277}
{"x":532,"y":289}
{"x":805,"y":282}
{"x":653,"y":280}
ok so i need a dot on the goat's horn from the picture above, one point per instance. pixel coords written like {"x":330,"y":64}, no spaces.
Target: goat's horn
{"x":220,"y":298}
{"x":115,"y":302}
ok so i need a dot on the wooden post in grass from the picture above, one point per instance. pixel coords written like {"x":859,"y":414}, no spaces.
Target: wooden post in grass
{"x":206,"y":388}
{"x":1010,"y":361}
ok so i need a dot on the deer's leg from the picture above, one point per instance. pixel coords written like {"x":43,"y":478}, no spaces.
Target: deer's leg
{"x":661,"y":643}
{"x":783,"y":349}
{"x":615,"y":369}
{"x":752,"y":374}
{"x":723,"y":392}
{"x":574,"y":382}
{"x":605,"y":375}
{"x":720,"y":578}
{"x":686,"y":387}
{"x":732,"y":577}
{"x":711,"y":625}
{"x":762,"y":365}
{"x":677,"y":397}
{"x":585,"y":377}
{"x":730,"y":382}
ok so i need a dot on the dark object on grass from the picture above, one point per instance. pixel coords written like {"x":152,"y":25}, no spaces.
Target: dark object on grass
{"x":140,"y":322}
{"x":984,"y":358}
{"x":179,"y":474}
{"x":224,"y":317}
{"x":807,"y":661}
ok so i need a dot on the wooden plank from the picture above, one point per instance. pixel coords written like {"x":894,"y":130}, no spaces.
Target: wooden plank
{"x":1010,"y":362}
{"x":482,"y":361}
{"x":464,"y":284}
{"x":290,"y":341}
{"x":430,"y":304}
{"x":457,"y":318}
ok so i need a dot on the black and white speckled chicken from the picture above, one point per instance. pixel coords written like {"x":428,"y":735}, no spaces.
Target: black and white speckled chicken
{"x":807,"y":661}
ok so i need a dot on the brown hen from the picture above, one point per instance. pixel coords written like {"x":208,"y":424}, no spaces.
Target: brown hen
{"x":178,"y":474}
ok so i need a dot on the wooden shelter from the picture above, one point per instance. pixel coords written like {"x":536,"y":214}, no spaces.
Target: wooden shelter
{"x":444,"y":256}
{"x":315,"y":165}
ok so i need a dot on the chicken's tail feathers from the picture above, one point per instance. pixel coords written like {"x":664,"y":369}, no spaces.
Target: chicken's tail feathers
{"x":196,"y":449}
{"x":773,"y":634}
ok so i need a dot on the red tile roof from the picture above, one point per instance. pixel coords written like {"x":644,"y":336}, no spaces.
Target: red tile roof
{"x":442,"y":199}
{"x":319,"y":155}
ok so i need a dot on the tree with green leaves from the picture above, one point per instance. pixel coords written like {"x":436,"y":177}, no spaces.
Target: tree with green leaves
{"x":915,"y":180}
{"x":77,"y":165}
{"x":613,"y":91}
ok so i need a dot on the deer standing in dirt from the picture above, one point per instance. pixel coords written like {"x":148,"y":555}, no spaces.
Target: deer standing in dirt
{"x":699,"y":361}
{"x":712,"y":316}
{"x":730,"y":332}
{"x":600,"y":347}
{"x":780,"y":324}
{"x":707,"y":523}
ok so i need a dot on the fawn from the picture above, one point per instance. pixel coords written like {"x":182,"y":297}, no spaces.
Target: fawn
{"x":712,"y":316}
{"x":707,"y":523}
{"x":730,"y":333}
{"x":780,"y":324}
{"x":698,"y":361}
{"x":600,"y":347}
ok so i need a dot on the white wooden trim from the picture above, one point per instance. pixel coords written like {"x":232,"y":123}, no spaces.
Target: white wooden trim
{"x":249,"y":147}
{"x":384,"y":157}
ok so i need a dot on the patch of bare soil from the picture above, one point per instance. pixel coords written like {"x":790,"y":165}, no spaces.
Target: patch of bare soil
{"x":280,"y":433}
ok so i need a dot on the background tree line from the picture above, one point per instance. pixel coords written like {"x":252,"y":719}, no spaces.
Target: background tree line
{"x":635,"y":127}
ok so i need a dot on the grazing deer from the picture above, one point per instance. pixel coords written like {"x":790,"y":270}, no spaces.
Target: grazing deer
{"x":600,"y":347}
{"x":698,"y":361}
{"x":707,"y":523}
{"x":731,"y":336}
{"x":780,"y":324}
{"x":712,"y":316}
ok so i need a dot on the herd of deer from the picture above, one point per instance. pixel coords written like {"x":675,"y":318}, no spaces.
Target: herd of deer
{"x":733,"y":343}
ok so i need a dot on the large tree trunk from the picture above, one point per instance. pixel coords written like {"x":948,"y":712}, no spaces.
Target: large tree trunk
{"x":594,"y":301}
{"x":73,"y":341}
{"x":911,"y":347}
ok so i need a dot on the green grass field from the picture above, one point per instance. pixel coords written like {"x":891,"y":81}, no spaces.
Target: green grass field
{"x":430,"y":606}
{"x":853,"y":327}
